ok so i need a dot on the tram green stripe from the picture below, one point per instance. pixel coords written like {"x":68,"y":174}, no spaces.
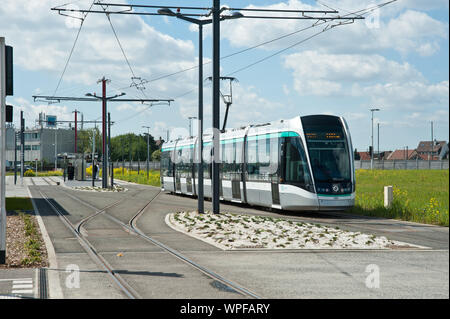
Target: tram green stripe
{"x":344,"y":195}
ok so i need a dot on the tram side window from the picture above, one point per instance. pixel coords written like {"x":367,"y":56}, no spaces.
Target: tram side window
{"x":296,"y":164}
{"x":166,"y":164}
{"x":185,"y":167}
{"x":252,"y":160}
{"x":264,"y":150}
{"x":178,"y":162}
{"x":238,"y":160}
{"x":228,"y":155}
{"x":274,"y":156}
{"x":207,"y":161}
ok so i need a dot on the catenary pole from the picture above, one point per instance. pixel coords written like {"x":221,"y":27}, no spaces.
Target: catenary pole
{"x":22,"y":146}
{"x":216,"y":107}
{"x":56,"y":148}
{"x":93,"y":155}
{"x":109,"y":143}
{"x":104,"y":155}
{"x":148,"y":149}
{"x":200,"y":183}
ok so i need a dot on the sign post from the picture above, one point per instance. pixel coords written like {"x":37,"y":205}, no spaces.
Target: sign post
{"x":6,"y":88}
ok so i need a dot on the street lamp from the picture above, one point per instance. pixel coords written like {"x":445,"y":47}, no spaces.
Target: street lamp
{"x":56,"y":147}
{"x":215,"y":175}
{"x":371,"y":154}
{"x":148,"y":147}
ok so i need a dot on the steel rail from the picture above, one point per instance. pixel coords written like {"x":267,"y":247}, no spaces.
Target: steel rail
{"x":92,"y":252}
{"x":209,"y":273}
{"x":131,"y":227}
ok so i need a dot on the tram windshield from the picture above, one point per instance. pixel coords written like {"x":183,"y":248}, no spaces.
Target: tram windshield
{"x":328,"y":148}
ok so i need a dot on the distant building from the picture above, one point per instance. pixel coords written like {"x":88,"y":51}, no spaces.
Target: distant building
{"x":40,"y":143}
{"x":428,"y":150}
{"x":364,"y":156}
{"x":159,"y":143}
{"x":401,"y":155}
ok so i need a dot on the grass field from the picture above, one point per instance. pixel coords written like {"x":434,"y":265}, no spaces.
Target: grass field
{"x":141,"y":178}
{"x":31,"y":173}
{"x":18,"y":203}
{"x":419,"y":195}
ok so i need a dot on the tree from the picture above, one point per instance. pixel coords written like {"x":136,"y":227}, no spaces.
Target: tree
{"x":131,"y":146}
{"x":84,"y":141}
{"x":156,"y":156}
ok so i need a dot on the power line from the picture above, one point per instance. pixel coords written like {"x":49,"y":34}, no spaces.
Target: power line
{"x":267,"y":42}
{"x":72,"y":50}
{"x":328,"y":27}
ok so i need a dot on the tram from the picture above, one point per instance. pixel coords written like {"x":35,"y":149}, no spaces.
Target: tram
{"x":302,"y":164}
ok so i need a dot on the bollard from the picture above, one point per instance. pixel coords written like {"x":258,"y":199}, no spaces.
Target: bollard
{"x":388,"y":196}
{"x":112,"y":175}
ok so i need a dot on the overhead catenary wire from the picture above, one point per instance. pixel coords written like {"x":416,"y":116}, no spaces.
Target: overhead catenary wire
{"x":126,"y":58}
{"x":319,"y":22}
{"x":327,"y":28}
{"x":72,"y":50}
{"x":269,"y":41}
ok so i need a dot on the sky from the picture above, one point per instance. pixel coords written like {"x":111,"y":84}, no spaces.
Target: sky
{"x":395,"y":60}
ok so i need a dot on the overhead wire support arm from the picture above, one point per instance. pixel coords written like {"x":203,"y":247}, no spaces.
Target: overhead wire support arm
{"x":92,"y":98}
{"x":302,"y":12}
{"x":148,"y":6}
{"x":107,"y":12}
{"x":128,"y":12}
{"x":280,"y":10}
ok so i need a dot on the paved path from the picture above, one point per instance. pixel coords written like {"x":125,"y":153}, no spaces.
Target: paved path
{"x":20,"y":189}
{"x":154,"y":273}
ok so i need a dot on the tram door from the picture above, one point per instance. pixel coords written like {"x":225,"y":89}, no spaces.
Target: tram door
{"x":236,"y":185}
{"x":275,"y":190}
{"x":275,"y":151}
{"x":236,"y":174}
{"x":188,"y":166}
{"x":178,"y":170}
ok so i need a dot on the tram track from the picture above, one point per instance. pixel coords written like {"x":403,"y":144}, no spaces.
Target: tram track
{"x":91,"y":251}
{"x":131,"y":227}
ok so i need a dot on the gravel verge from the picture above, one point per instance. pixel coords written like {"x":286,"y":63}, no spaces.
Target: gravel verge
{"x":232,"y":231}
{"x":25,"y":247}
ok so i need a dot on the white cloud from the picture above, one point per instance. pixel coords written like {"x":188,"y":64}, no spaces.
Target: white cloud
{"x":326,"y":74}
{"x":42,"y":42}
{"x":31,"y":111}
{"x":410,"y":95}
{"x":401,"y":28}
{"x":383,"y":82}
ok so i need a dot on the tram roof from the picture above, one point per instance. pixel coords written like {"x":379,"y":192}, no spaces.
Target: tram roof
{"x":292,"y":125}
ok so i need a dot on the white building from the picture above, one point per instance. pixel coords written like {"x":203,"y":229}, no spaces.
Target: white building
{"x":40,"y":143}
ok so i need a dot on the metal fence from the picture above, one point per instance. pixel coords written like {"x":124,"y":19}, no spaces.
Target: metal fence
{"x":135,"y":165}
{"x":402,"y":164}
